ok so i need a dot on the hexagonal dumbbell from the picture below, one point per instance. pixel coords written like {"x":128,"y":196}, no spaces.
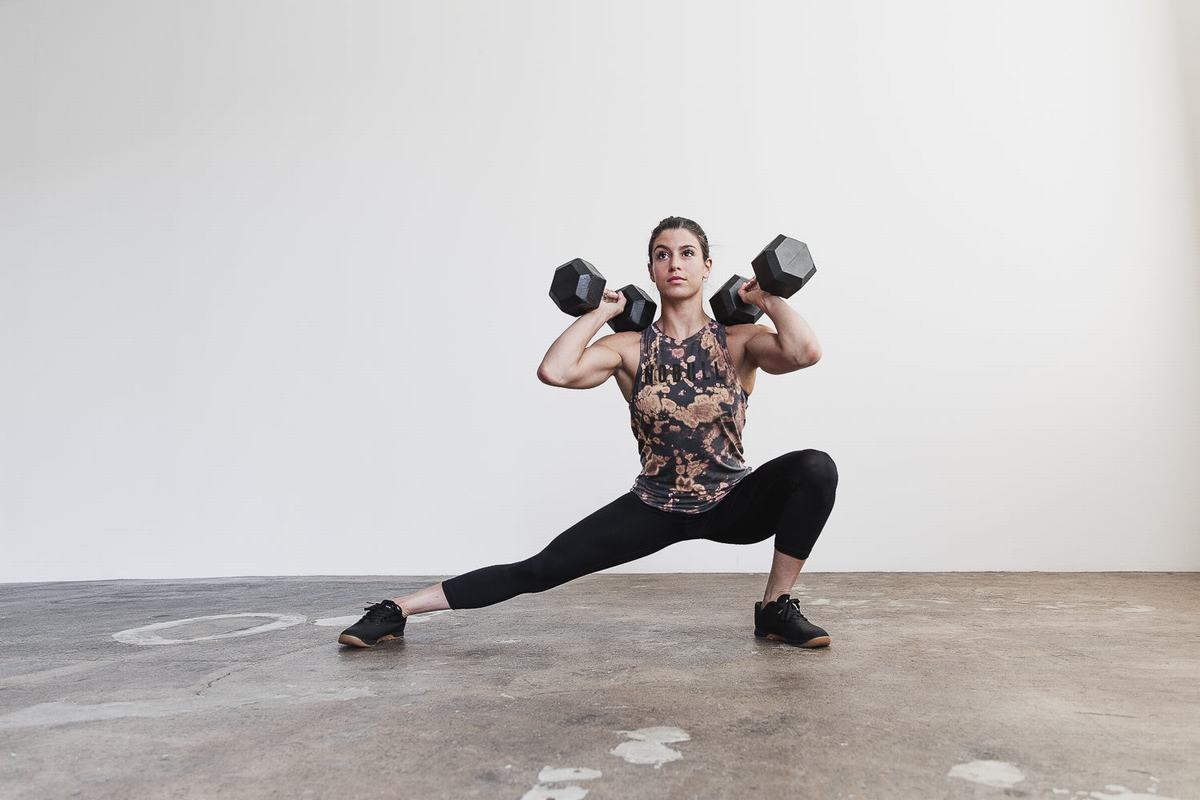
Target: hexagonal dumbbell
{"x":578,"y":288}
{"x":783,"y":267}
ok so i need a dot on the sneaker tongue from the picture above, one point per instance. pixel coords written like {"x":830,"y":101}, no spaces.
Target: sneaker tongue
{"x":783,"y":598}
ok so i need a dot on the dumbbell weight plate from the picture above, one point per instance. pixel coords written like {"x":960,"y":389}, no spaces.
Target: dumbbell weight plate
{"x":727,"y":306}
{"x":783,"y":266}
{"x":639,"y":310}
{"x":577,"y":287}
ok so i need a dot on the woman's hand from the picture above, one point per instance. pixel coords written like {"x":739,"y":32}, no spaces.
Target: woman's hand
{"x":612,"y":304}
{"x":751,"y":292}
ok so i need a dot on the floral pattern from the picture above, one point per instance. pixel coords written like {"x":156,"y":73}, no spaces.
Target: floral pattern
{"x":687,"y":411}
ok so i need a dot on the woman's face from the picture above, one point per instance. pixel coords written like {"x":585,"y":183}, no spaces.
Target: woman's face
{"x":677,"y":255}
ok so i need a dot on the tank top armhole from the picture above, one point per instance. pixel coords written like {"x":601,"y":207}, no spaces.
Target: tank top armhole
{"x":637,"y":372}
{"x":723,"y":339}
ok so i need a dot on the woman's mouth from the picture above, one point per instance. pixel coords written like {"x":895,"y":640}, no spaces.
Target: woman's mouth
{"x":676,"y":280}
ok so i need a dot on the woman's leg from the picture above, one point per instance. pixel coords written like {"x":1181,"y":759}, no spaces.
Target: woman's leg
{"x":784,"y":571}
{"x":790,"y":496}
{"x":431,"y":598}
{"x":624,"y":530}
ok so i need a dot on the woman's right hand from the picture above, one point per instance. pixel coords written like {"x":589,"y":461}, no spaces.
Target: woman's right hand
{"x":611,"y":305}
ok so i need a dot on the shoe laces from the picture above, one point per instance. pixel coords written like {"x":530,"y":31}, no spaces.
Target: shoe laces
{"x":790,"y":609}
{"x":377,"y":611}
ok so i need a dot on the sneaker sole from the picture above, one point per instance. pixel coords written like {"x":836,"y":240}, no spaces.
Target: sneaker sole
{"x":354,"y":641}
{"x":817,"y":641}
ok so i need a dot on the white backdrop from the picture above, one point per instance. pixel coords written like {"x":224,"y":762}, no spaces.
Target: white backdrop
{"x":274,"y":274}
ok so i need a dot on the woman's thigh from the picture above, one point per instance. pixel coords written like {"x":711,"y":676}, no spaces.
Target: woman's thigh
{"x":622,"y":530}
{"x":790,"y":495}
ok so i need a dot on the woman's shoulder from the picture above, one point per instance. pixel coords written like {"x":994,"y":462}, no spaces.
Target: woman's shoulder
{"x":743,"y":330}
{"x":740,"y":334}
{"x":627,"y":343}
{"x":736,"y":337}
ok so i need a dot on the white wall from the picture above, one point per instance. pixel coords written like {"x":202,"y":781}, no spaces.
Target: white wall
{"x":274,"y":275}
{"x":1187,"y":28}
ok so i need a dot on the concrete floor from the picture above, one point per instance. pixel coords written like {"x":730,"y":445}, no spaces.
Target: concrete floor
{"x":959,"y":685}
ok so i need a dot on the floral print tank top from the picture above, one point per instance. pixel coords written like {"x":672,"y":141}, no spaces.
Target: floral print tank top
{"x":687,"y":411}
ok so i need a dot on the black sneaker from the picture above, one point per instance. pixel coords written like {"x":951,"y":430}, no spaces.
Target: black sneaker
{"x":382,"y":621}
{"x":782,"y":621}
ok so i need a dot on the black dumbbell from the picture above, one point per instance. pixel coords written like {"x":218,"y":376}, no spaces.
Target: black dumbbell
{"x":783,"y":267}
{"x":578,"y":288}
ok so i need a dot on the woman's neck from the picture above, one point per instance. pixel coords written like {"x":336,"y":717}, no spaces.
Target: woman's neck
{"x":681,"y":324}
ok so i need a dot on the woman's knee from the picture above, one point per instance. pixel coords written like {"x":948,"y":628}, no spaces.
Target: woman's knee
{"x":813,"y":467}
{"x":536,"y":574}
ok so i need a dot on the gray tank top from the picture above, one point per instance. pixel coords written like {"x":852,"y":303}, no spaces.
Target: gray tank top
{"x":687,"y":411}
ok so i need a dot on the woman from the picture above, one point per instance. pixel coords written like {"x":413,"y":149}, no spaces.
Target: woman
{"x":687,"y":380}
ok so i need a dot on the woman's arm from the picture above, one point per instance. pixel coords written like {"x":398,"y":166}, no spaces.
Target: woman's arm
{"x":793,"y":348}
{"x":567,"y":363}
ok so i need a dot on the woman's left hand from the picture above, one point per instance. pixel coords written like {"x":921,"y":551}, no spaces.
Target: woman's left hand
{"x":751,"y":292}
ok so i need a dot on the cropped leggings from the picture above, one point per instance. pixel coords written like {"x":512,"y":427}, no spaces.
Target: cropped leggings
{"x":790,"y":496}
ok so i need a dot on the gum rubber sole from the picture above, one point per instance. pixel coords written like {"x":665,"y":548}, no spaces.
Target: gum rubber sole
{"x":354,"y":641}
{"x":818,"y":641}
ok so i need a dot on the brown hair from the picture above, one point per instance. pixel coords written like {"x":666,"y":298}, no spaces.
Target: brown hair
{"x":670,"y":223}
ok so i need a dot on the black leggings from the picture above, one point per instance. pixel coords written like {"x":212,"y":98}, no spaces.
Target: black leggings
{"x":790,"y":495}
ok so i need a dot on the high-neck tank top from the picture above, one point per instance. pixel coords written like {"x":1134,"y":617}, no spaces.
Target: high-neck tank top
{"x":687,"y":411}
